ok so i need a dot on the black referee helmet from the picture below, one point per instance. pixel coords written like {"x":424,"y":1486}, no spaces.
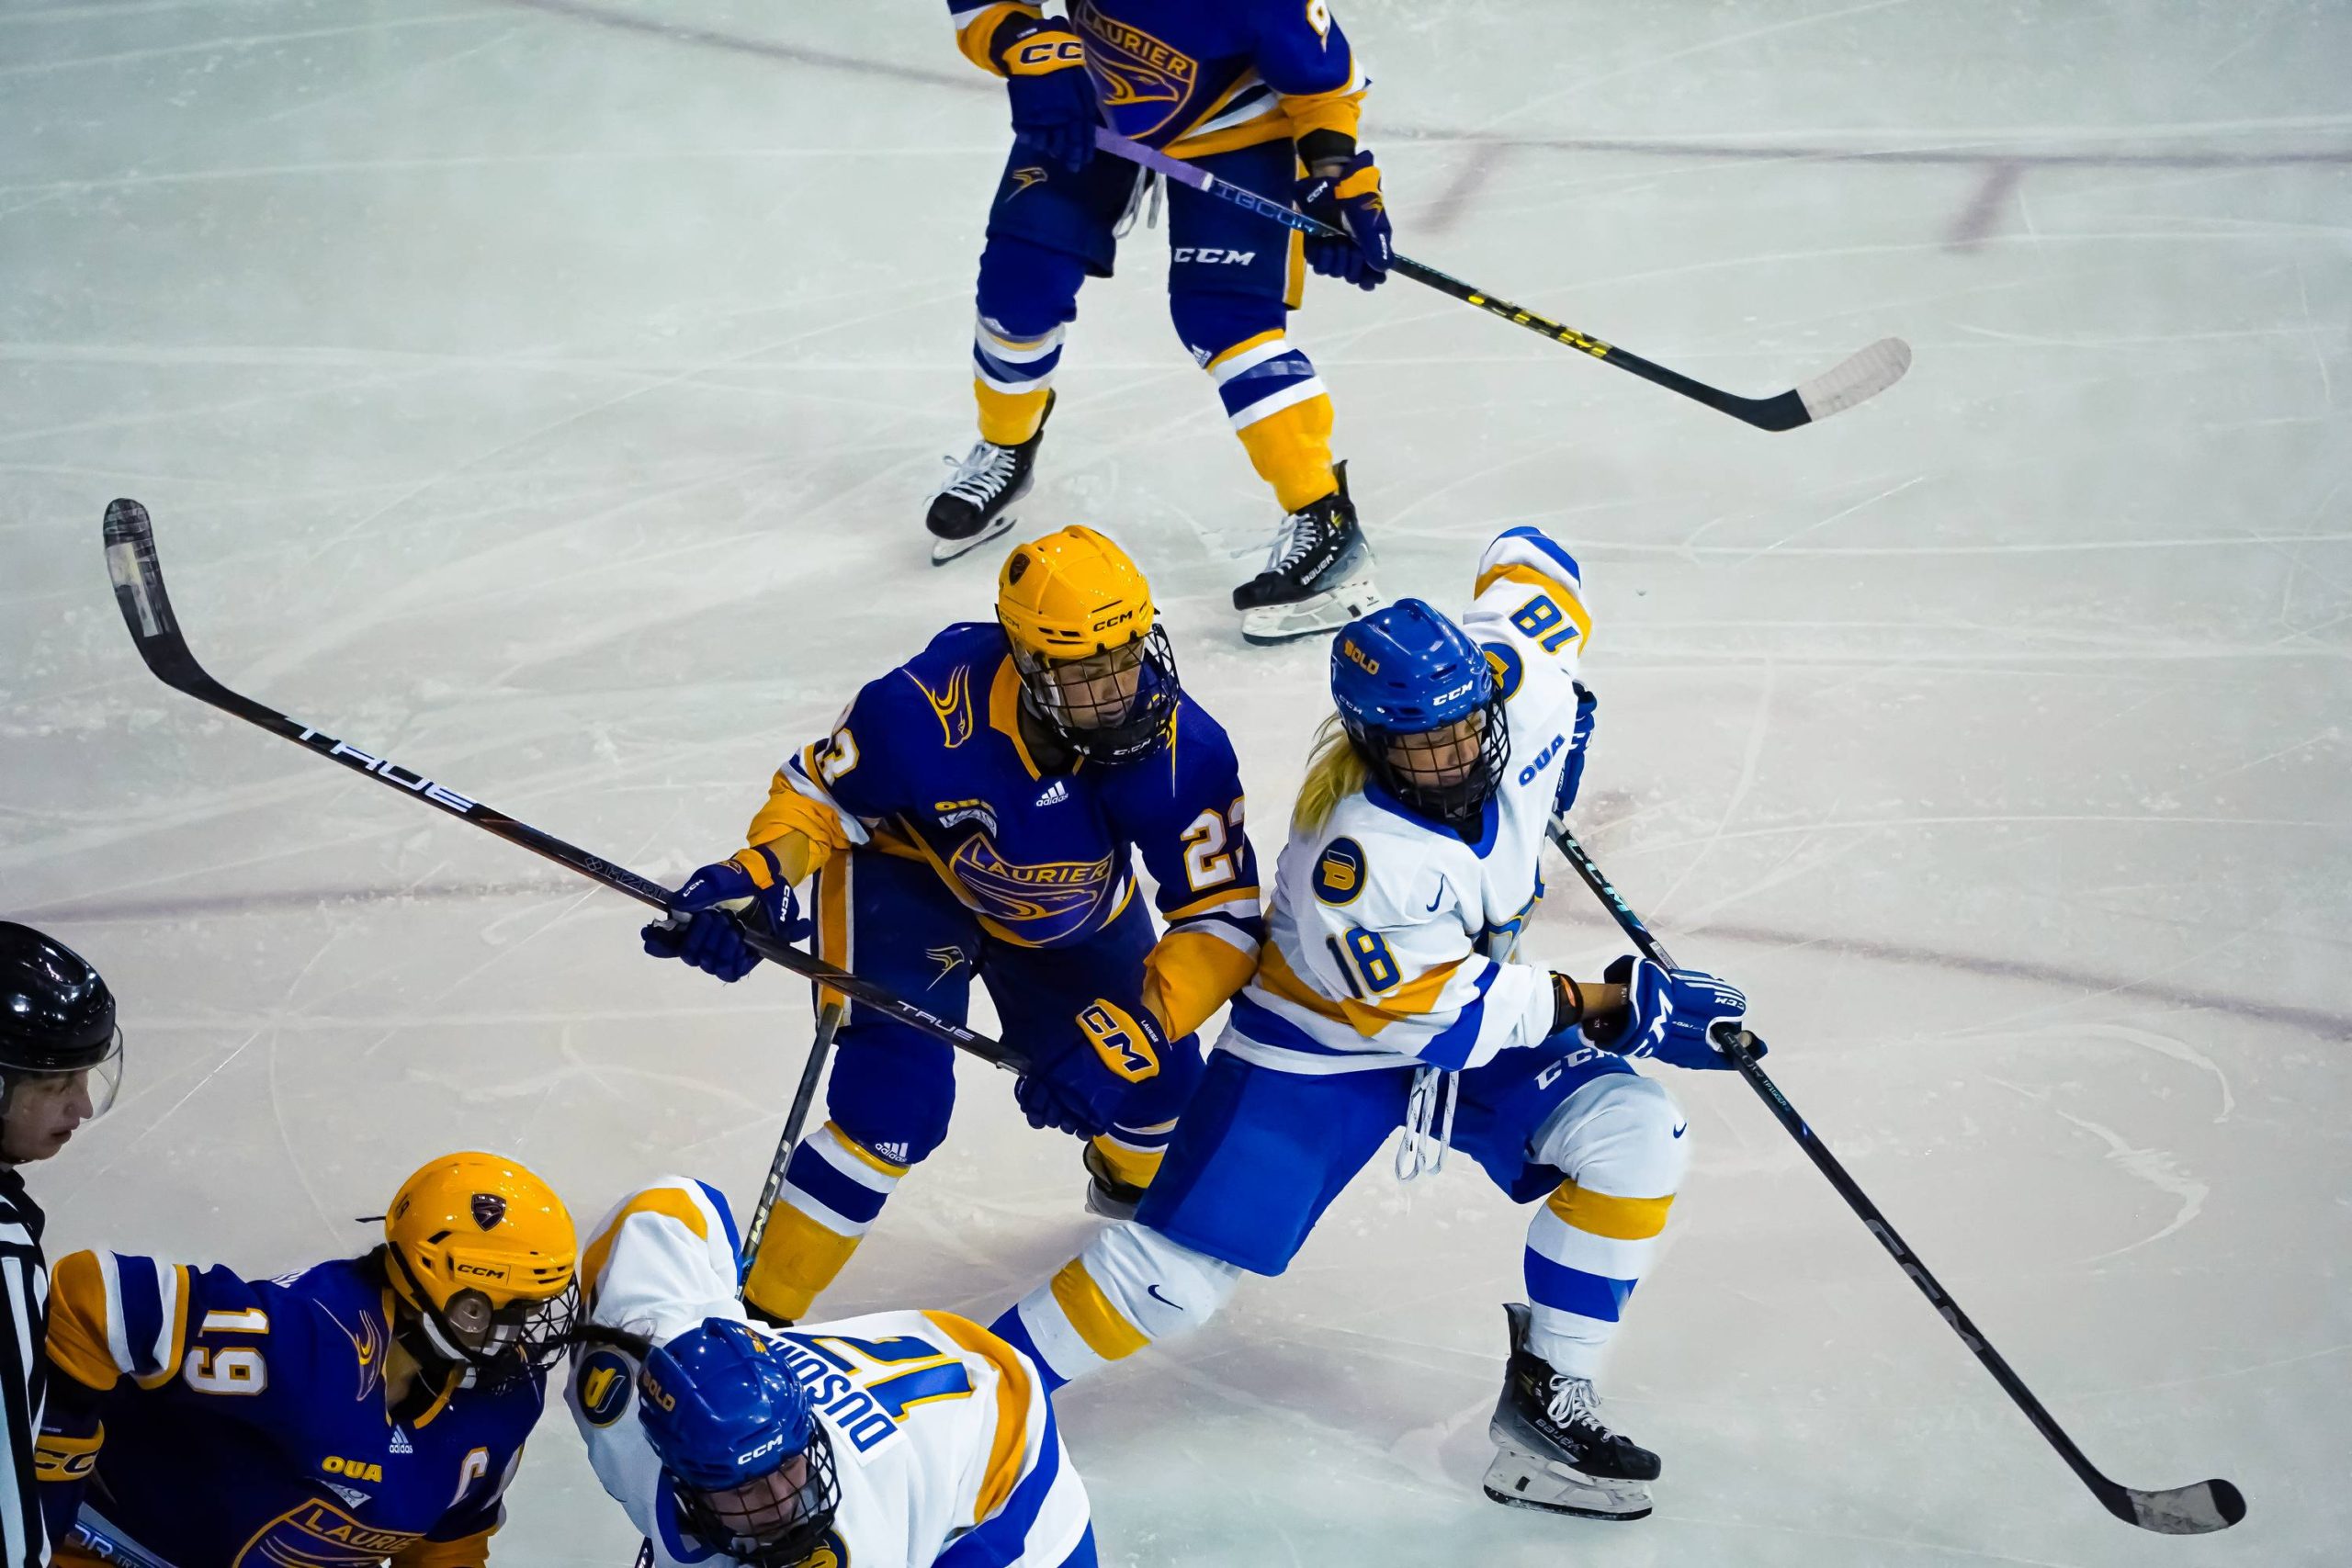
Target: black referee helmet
{"x":56,"y":1014}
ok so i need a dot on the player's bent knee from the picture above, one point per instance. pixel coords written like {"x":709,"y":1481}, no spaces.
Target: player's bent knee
{"x":1164,"y":1286}
{"x":1211,"y":324}
{"x":897,"y":1114}
{"x":1027,"y":289}
{"x":1621,"y":1133}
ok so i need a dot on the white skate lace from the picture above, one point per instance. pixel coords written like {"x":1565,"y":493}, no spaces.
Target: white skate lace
{"x":1301,"y":534}
{"x":1573,"y":1402}
{"x":983,"y":474}
{"x":1432,"y":1092}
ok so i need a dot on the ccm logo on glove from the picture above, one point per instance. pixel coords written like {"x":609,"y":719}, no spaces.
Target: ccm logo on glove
{"x":1124,"y":1047}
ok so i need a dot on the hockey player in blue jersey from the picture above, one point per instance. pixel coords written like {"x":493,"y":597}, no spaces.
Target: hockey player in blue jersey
{"x":365,"y":1410}
{"x":977,"y":811}
{"x":1389,"y":992}
{"x":1266,"y":93}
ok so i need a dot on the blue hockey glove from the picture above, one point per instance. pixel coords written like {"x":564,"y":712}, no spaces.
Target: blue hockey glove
{"x":709,"y":938}
{"x":1674,"y":1015}
{"x":1053,"y":98}
{"x":1080,"y":1086}
{"x":1349,"y":199}
{"x":1572,"y":776}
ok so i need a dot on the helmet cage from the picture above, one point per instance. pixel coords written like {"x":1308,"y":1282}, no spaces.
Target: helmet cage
{"x":1391,"y":756}
{"x":1113,"y":704}
{"x":494,"y":1344}
{"x":771,"y":1532}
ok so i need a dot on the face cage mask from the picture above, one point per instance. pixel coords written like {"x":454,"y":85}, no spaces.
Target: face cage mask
{"x":493,"y":1346}
{"x":768,"y":1534}
{"x":1457,"y":802}
{"x":1089,"y":716}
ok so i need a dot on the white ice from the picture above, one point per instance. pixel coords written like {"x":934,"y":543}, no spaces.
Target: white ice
{"x":544,"y":392}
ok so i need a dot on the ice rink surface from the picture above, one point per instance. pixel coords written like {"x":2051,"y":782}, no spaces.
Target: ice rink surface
{"x":544,"y":392}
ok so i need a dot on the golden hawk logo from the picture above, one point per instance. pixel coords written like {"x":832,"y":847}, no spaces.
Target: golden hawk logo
{"x":1022,"y":178}
{"x":952,"y":703}
{"x":366,"y":1347}
{"x":1132,"y":68}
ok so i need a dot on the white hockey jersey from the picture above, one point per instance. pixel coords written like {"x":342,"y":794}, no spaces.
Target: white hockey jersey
{"x":1390,"y":941}
{"x":943,"y":1437}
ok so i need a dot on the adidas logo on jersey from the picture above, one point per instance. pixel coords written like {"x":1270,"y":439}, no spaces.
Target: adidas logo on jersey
{"x":1055,"y":793}
{"x":895,"y":1153}
{"x":400,"y":1444}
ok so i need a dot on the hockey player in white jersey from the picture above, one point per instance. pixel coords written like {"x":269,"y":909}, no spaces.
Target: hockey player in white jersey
{"x":900,"y":1439}
{"x":1388,"y":993}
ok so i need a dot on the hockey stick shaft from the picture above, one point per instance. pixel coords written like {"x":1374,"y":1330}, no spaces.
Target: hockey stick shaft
{"x":829,"y":1020}
{"x":1874,"y":369}
{"x":2191,"y":1510}
{"x":147,"y":610}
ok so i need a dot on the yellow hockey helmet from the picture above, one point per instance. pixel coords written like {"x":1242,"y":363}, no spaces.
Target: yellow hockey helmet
{"x":1095,"y":665}
{"x":483,"y":1253}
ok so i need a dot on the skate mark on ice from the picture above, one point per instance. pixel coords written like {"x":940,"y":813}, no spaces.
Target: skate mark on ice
{"x":2154,"y":1167}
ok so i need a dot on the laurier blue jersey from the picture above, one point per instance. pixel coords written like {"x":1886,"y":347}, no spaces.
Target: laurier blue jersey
{"x":1198,"y":76}
{"x":244,"y":1421}
{"x":929,"y":763}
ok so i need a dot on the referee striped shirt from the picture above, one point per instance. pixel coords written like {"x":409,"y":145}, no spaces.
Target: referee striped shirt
{"x":24,"y":1371}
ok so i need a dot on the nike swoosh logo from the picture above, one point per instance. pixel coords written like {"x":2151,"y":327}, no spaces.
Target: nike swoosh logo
{"x":1153,"y":1291}
{"x":1439,"y":899}
{"x":1684,"y":1128}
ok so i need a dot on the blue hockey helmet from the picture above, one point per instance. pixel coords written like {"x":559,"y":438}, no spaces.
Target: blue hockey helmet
{"x":1421,"y":704}
{"x":748,"y":1464}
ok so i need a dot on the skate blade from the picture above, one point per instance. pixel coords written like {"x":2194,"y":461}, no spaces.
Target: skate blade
{"x":1270,"y":626}
{"x":1520,"y":1480}
{"x":946,"y":550}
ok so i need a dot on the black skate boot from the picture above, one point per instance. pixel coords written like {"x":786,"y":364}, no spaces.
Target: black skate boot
{"x":1551,"y":1451}
{"x":976,"y":503}
{"x":1106,"y":1194}
{"x":1317,"y":577}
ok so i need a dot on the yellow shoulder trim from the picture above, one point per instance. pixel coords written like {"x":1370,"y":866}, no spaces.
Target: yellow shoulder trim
{"x":1010,"y":1445}
{"x":78,"y":1322}
{"x":668,"y":1201}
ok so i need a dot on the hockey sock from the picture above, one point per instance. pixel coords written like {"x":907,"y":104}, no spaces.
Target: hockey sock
{"x":1010,"y":376}
{"x":1586,"y":1251}
{"x":832,"y":1191}
{"x":1277,"y":405}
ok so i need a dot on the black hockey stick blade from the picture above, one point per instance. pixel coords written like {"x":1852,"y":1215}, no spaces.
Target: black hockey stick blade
{"x":2202,"y":1509}
{"x":147,"y":611}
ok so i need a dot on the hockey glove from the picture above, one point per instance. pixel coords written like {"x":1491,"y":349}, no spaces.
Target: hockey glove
{"x":1572,"y":776}
{"x":1080,"y":1088}
{"x":703,"y":931}
{"x":1053,"y":98}
{"x":1673,"y":1016}
{"x":1349,"y":199}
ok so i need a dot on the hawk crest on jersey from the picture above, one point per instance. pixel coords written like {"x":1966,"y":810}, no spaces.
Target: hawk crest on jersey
{"x":1044,"y":902}
{"x":320,"y":1534}
{"x":488,"y":1208}
{"x":952,"y":705}
{"x":1132,"y":67}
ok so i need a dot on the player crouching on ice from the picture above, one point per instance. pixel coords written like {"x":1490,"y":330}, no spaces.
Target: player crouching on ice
{"x":895,"y":1440}
{"x":368,"y":1409}
{"x":1388,"y":993}
{"x":979,"y":811}
{"x":1266,"y":93}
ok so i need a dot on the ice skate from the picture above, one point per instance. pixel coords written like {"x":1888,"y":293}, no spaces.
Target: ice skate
{"x":1551,"y":1450}
{"x":1317,"y":577}
{"x":978,"y":502}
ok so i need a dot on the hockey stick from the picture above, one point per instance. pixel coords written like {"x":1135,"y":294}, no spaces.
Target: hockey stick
{"x":147,"y":611}
{"x":828,"y":1021}
{"x":1853,"y":380}
{"x":2196,"y":1510}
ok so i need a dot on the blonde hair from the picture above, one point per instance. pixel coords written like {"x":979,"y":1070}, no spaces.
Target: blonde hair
{"x":1334,"y":770}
